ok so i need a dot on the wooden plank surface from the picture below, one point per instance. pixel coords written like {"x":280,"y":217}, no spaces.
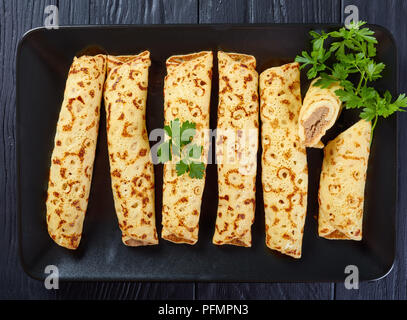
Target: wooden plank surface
{"x":269,"y":11}
{"x":390,"y":14}
{"x":16,"y":17}
{"x":73,"y":12}
{"x":143,"y":11}
{"x":264,"y":11}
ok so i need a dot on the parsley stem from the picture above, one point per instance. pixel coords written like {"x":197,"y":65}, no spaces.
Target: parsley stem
{"x":362,"y":77}
{"x":374,"y":123}
{"x":373,"y":127}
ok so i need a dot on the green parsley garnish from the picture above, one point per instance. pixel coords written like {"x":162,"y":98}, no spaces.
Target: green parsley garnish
{"x":180,"y":145}
{"x":351,"y":50}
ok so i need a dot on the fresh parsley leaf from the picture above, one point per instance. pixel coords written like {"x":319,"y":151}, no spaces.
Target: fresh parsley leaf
{"x":325,"y":81}
{"x":373,"y":70}
{"x":305,"y":59}
{"x":368,"y":113}
{"x":179,"y":145}
{"x":371,"y":50}
{"x":386,"y":108}
{"x":366,"y":34}
{"x":346,"y":84}
{"x":181,"y":168}
{"x":175,"y":132}
{"x":168,"y":131}
{"x":187,"y":133}
{"x":314,"y":34}
{"x":340,"y":71}
{"x":352,"y":101}
{"x":197,"y":170}
{"x":368,"y":93}
{"x":337,"y":34}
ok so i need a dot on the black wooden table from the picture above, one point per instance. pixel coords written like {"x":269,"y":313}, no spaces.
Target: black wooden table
{"x":18,"y":16}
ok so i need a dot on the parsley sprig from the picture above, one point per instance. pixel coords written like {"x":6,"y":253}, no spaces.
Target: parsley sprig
{"x":180,"y":146}
{"x":349,"y":51}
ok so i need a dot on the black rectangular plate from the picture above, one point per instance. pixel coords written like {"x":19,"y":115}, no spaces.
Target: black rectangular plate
{"x":43,"y":60}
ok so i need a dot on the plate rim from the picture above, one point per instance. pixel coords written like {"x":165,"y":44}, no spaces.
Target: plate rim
{"x":26,"y":36}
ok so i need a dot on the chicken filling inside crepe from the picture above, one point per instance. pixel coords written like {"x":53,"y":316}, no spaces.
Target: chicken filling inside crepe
{"x":319,"y":113}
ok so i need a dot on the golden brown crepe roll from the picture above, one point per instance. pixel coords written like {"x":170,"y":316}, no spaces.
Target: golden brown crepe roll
{"x":131,"y":166}
{"x":319,"y":112}
{"x":187,"y":90}
{"x":74,"y":150}
{"x":237,"y":137}
{"x":284,"y":160}
{"x":342,"y":183}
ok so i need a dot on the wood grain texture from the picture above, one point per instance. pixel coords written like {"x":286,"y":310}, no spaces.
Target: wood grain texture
{"x":263,"y":11}
{"x":73,"y":12}
{"x":269,"y":11}
{"x":390,"y":14}
{"x":143,"y":11}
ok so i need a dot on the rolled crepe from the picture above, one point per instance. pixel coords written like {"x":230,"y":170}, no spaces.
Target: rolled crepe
{"x":284,"y":160}
{"x":131,"y":167}
{"x":74,"y":150}
{"x":187,"y":90}
{"x":319,"y":112}
{"x":342,"y":183}
{"x":237,"y":144}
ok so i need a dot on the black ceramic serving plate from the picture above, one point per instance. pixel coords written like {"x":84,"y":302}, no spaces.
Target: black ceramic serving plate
{"x":43,"y":60}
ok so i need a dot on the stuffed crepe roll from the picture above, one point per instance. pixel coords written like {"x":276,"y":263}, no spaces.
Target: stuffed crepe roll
{"x":237,"y":138}
{"x":131,"y":167}
{"x":320,"y":110}
{"x":74,"y":150}
{"x":187,"y":90}
{"x":284,"y":160}
{"x":342,"y":183}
